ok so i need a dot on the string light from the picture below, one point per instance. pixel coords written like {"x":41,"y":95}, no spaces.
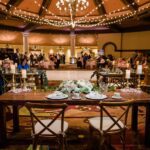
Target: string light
{"x":72,"y":5}
{"x":115,"y":16}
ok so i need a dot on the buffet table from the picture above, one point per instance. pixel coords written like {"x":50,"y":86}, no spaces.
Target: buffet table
{"x":140,"y":99}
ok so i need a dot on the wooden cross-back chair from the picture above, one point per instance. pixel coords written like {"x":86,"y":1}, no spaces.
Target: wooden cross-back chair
{"x":53,"y":128}
{"x":107,"y":124}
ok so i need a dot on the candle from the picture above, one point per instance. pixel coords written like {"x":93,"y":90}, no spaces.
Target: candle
{"x":16,"y":65}
{"x":127,"y":74}
{"x":113,"y":63}
{"x":128,"y":65}
{"x":139,"y":69}
{"x":137,"y":62}
{"x":12,"y":69}
{"x":0,"y":62}
{"x":24,"y":73}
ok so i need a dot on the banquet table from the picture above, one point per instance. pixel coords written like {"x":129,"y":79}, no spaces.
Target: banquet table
{"x":119,"y":78}
{"x":32,"y":78}
{"x":139,"y":99}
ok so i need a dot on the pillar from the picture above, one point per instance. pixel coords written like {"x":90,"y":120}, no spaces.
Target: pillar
{"x":25,"y":42}
{"x":72,"y":43}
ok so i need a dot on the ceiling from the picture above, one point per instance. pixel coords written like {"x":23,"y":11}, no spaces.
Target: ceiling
{"x":101,"y":16}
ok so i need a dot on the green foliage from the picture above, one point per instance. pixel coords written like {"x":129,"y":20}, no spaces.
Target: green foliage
{"x":95,"y":87}
{"x":84,"y":90}
{"x":111,"y":88}
{"x":52,"y":88}
{"x":44,"y":78}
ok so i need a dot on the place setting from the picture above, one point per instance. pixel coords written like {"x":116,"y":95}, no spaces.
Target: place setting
{"x":117,"y":95}
{"x":95,"y":95}
{"x":57,"y":95}
{"x":100,"y":94}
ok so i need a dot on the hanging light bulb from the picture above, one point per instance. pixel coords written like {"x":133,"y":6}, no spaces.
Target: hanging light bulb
{"x":78,"y":5}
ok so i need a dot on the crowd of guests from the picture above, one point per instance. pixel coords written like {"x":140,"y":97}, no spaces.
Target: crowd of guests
{"x":86,"y":61}
{"x":25,"y":61}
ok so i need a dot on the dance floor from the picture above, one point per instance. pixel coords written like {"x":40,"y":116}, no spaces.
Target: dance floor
{"x":69,"y":74}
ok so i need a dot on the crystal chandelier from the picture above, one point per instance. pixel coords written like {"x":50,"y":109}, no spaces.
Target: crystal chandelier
{"x":72,"y":5}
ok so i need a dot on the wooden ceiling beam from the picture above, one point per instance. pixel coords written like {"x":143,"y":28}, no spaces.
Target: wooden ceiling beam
{"x":101,"y":9}
{"x":14,"y":3}
{"x":115,"y":28}
{"x":47,"y":31}
{"x":45,"y":4}
{"x":6,"y":27}
{"x":130,"y":2}
{"x":30,"y":27}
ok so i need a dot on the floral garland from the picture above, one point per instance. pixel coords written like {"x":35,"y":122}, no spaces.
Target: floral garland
{"x":78,"y":86}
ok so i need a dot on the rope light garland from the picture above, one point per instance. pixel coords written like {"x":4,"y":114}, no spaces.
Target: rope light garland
{"x":102,"y":20}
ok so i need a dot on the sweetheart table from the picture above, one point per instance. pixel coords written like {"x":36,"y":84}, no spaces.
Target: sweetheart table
{"x":15,"y":100}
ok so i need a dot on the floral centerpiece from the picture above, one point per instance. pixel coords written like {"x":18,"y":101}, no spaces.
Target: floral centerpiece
{"x":69,"y":86}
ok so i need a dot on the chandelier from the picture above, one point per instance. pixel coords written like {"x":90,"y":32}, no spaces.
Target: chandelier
{"x":72,"y":5}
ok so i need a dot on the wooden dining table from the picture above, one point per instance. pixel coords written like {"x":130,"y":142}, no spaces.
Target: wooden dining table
{"x":139,"y":98}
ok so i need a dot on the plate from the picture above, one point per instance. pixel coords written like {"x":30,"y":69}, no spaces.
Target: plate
{"x":57,"y":96}
{"x":89,"y":96}
{"x":116,"y":97}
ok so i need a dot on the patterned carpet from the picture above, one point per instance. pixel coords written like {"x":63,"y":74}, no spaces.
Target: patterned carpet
{"x":78,"y":133}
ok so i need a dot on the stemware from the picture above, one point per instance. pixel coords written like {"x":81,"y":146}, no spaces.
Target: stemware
{"x":103,"y":87}
{"x":76,"y":95}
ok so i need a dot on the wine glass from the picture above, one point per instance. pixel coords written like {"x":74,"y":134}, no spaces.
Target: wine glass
{"x":103,"y":87}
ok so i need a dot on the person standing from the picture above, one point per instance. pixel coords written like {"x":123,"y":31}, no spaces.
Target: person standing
{"x":16,"y":56}
{"x":85,"y":58}
{"x":58,"y":61}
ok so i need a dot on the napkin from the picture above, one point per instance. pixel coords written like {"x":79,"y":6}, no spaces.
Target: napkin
{"x":19,"y":90}
{"x":131,"y":90}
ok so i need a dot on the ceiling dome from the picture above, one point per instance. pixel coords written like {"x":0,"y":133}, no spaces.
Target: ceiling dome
{"x":78,"y":15}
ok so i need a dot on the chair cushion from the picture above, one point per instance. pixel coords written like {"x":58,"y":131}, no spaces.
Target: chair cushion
{"x":107,"y":122}
{"x":55,"y":127}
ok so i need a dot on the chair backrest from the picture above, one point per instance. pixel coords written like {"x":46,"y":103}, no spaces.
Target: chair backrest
{"x":121,"y":114}
{"x":55,"y":111}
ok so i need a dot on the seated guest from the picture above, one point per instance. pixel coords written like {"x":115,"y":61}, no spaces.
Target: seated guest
{"x":23,"y":65}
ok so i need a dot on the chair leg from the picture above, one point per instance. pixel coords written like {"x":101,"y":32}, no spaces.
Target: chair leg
{"x":90,"y":137}
{"x":35,"y":141}
{"x":66,"y":145}
{"x":102,"y":145}
{"x":123,"y":140}
{"x":61,"y":142}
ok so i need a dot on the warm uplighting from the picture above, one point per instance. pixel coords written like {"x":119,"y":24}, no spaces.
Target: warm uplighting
{"x":51,"y":51}
{"x":60,"y":40}
{"x":35,"y":40}
{"x":7,"y":37}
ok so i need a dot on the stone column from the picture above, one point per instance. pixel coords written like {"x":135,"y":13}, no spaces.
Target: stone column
{"x":25,"y":42}
{"x":72,"y":43}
